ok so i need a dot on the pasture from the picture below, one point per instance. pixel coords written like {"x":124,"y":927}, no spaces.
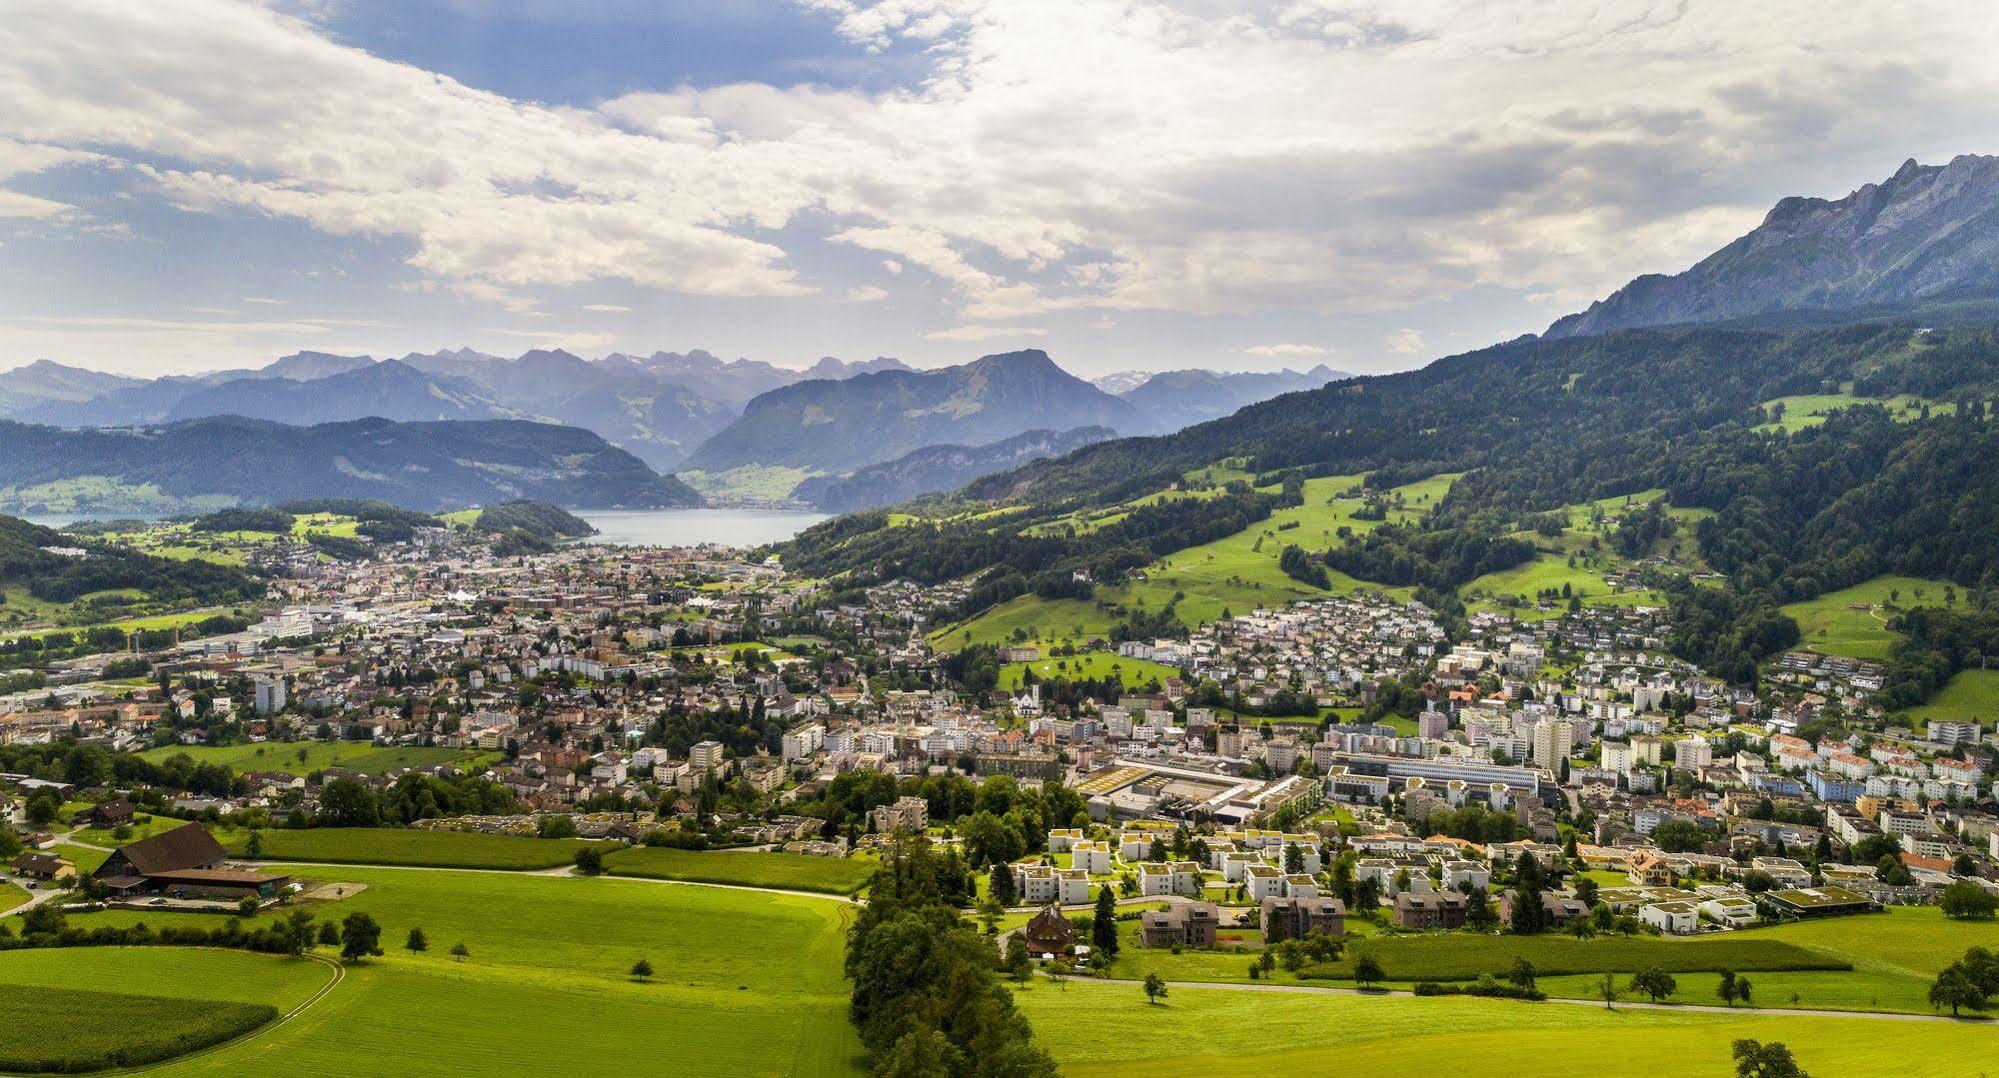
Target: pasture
{"x":304,"y":757}
{"x":1969,"y":696}
{"x":406,"y":846}
{"x":143,"y":1004}
{"x":1094,"y":664}
{"x":1852,"y":622}
{"x":1110,"y":1030}
{"x":787,"y":871}
{"x":748,"y":982}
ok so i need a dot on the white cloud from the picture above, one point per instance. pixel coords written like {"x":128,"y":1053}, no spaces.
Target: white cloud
{"x":266,"y":300}
{"x":1288,"y":350}
{"x":1060,"y":155}
{"x":982,"y":333}
{"x":866,"y":294}
{"x":606,"y":308}
{"x":1405,"y":342}
{"x":565,"y":339}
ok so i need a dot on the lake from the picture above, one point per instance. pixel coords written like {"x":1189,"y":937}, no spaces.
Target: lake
{"x":687,"y":527}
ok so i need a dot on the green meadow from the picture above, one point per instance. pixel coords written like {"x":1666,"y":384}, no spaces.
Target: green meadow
{"x":362,"y":756}
{"x":1093,"y":664}
{"x":143,"y":1004}
{"x":408,"y":846}
{"x":788,"y":871}
{"x":1110,"y":1030}
{"x":1969,"y":696}
{"x":1852,"y":622}
{"x":1811,"y":409}
{"x":746,"y":982}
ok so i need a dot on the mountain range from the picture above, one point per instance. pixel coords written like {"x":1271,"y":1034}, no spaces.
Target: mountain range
{"x":230,"y":460}
{"x":836,"y":427}
{"x":939,"y":467}
{"x":1927,"y":235}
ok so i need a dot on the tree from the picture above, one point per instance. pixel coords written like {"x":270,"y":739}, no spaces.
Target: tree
{"x":417,"y":941}
{"x":1964,"y":900}
{"x":1955,"y":989}
{"x":1366,"y":971}
{"x":360,"y":937}
{"x":1058,"y":971}
{"x":1522,"y":974}
{"x":921,"y":1053}
{"x":1018,"y":962}
{"x":1527,"y":910}
{"x":1727,"y":988}
{"x":642,"y":969}
{"x":1742,"y":987}
{"x":1000,"y":884}
{"x":590,"y":861}
{"x":1155,"y":988}
{"x":1771,"y":1060}
{"x":1606,"y":990}
{"x":329,"y":934}
{"x":1654,"y":982}
{"x":1103,"y":926}
{"x":460,"y":952}
{"x":556,"y":825}
{"x":1679,"y":836}
{"x":298,"y":933}
{"x":254,"y":848}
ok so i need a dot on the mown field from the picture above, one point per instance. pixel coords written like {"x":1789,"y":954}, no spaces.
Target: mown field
{"x":401,"y":846}
{"x":362,"y":756}
{"x":747,"y":982}
{"x":1110,"y":1030}
{"x":87,"y":1008}
{"x":1809,"y":410}
{"x":1094,"y":664}
{"x":788,"y":871}
{"x":1969,"y":696}
{"x":1852,"y":622}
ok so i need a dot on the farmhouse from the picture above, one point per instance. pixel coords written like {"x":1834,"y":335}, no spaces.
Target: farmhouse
{"x":43,"y":866}
{"x":1048,"y":934}
{"x":185,"y":862}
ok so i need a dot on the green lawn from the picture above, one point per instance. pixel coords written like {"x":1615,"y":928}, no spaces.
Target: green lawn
{"x":139,"y":1003}
{"x":1093,"y":664}
{"x":152,"y":825}
{"x":11,"y":896}
{"x":1852,"y":622}
{"x":1969,"y":696}
{"x":362,"y":756}
{"x":1110,"y":1030}
{"x":1809,"y":410}
{"x":403,"y":846}
{"x":747,"y":982}
{"x":791,"y":871}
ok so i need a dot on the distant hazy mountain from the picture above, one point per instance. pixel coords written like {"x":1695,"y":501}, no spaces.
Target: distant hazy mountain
{"x":1122,"y":382}
{"x":836,"y":369}
{"x":306,"y":366}
{"x":45,"y":381}
{"x":1175,"y":399}
{"x":939,"y":467}
{"x":733,"y":383}
{"x":1930,"y":233}
{"x":390,"y":389}
{"x":832,"y":427}
{"x":202,"y":463}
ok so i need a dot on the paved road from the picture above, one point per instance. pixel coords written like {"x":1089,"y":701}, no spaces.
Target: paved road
{"x":1695,"y":1008}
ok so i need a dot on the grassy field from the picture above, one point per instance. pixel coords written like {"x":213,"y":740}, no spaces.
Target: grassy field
{"x":1809,"y":410}
{"x":362,"y":756}
{"x":1969,"y":696}
{"x":147,"y":828}
{"x":790,"y":871}
{"x":1852,"y":621}
{"x":399,"y":846}
{"x":1095,"y":664}
{"x":1110,"y":1030}
{"x":142,"y":1003}
{"x":747,"y":983}
{"x":1235,"y":574}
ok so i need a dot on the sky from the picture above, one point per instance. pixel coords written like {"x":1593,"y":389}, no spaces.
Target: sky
{"x":1128,"y":184}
